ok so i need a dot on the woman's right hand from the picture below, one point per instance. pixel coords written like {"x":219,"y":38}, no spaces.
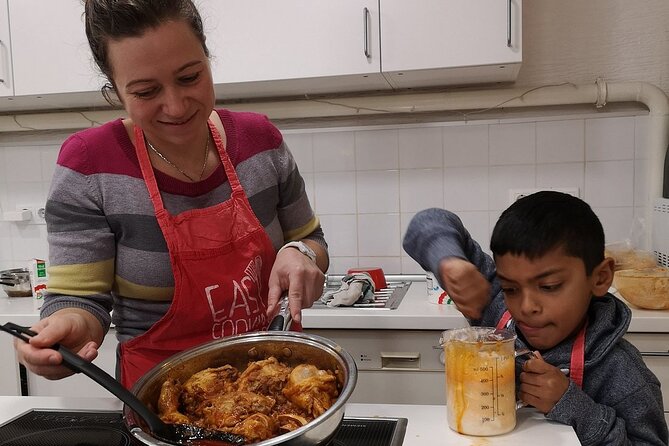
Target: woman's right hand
{"x":466,"y":286}
{"x":75,"y":329}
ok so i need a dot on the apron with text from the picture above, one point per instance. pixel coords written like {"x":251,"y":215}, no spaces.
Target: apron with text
{"x":577,"y":360}
{"x":221,"y":258}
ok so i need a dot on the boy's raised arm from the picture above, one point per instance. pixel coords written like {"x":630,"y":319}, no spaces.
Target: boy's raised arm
{"x":439,"y":242}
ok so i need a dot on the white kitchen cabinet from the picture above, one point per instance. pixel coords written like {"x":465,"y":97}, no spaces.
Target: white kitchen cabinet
{"x":654,"y":348}
{"x":264,"y":48}
{"x":10,"y":380}
{"x":50,"y":53}
{"x":269,"y":47}
{"x":6,"y":84}
{"x":79,"y":384}
{"x":442,"y":42}
{"x":394,"y":366}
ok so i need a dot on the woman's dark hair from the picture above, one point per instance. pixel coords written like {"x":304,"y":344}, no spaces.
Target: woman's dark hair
{"x":115,"y":19}
{"x":547,"y":220}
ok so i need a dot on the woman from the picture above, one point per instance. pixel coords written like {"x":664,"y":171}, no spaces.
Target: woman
{"x":175,"y":217}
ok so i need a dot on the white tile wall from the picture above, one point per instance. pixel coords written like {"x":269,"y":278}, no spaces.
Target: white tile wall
{"x":26,"y":168}
{"x":366,"y":183}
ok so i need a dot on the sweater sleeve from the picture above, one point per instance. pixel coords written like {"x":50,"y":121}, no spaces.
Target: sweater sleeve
{"x":81,"y":244}
{"x":295,"y":213}
{"x":436,"y":234}
{"x":636,"y":419}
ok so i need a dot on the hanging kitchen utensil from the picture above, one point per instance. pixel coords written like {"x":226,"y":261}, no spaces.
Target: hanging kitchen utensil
{"x":177,"y":433}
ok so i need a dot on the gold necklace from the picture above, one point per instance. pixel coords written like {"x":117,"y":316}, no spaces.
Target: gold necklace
{"x":164,"y":158}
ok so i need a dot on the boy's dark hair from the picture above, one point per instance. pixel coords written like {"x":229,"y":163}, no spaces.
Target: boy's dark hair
{"x":546,"y":220}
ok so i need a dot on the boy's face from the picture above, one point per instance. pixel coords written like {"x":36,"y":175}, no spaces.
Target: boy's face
{"x":548,"y":297}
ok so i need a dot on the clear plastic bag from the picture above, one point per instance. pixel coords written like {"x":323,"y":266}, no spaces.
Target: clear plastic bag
{"x":627,"y":257}
{"x":629,"y":253}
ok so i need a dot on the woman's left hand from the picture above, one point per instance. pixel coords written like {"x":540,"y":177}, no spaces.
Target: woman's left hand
{"x":300,"y":276}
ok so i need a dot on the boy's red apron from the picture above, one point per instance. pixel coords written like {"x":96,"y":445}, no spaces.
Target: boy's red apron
{"x":221,"y":258}
{"x":577,"y":363}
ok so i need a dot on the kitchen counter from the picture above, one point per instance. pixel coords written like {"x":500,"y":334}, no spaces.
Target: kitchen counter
{"x":414,"y":313}
{"x":427,"y":423}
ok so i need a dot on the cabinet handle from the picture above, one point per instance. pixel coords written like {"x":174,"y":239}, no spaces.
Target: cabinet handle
{"x":508,"y":23}
{"x":662,"y":354}
{"x":2,"y":78}
{"x":365,"y":18}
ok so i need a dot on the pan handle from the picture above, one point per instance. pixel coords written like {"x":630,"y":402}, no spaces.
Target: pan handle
{"x":78,"y":364}
{"x":282,"y":320}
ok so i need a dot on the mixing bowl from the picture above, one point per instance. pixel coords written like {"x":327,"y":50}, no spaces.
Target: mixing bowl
{"x":644,"y":288}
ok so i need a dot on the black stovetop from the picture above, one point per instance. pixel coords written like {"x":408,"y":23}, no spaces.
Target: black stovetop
{"x":77,"y":428}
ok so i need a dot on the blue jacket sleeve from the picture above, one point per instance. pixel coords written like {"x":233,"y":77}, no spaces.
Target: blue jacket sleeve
{"x":633,"y":420}
{"x":436,"y":234}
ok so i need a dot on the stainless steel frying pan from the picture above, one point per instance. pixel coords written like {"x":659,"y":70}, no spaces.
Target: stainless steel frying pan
{"x":291,"y":348}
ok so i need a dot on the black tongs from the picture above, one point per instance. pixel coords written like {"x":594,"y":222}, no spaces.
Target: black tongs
{"x":283,"y":318}
{"x":182,"y":434}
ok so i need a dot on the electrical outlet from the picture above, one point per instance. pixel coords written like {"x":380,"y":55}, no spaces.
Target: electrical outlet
{"x":516,"y":194}
{"x":38,"y":214}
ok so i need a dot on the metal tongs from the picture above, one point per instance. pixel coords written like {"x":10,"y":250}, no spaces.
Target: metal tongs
{"x":283,"y":318}
{"x":181,"y":434}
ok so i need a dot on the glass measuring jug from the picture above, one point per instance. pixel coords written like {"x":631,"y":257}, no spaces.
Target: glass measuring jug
{"x":480,"y":380}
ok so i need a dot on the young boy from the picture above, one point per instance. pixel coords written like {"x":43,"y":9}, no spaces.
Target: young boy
{"x":549,"y":284}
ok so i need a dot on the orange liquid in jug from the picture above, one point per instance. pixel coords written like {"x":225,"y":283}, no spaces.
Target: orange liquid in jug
{"x":480,"y":387}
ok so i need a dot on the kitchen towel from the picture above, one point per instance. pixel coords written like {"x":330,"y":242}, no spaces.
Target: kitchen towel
{"x":355,"y":288}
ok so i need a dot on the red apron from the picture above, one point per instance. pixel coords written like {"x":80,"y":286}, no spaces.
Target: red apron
{"x":577,"y":360}
{"x":221,"y":258}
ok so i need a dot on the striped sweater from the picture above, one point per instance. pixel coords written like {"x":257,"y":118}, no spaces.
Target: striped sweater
{"x":106,"y":250}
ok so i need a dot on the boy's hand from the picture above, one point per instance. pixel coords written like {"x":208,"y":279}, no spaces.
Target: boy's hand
{"x":466,"y":286}
{"x":541,"y":384}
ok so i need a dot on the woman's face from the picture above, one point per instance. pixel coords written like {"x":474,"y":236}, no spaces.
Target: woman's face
{"x":164,"y":80}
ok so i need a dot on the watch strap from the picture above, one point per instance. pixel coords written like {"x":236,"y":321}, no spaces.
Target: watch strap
{"x":302,"y":247}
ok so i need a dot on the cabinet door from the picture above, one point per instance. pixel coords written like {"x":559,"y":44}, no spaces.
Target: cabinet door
{"x":300,"y":46}
{"x":10,"y":380}
{"x":6,"y":86}
{"x":451,"y":41}
{"x":49,"y":48}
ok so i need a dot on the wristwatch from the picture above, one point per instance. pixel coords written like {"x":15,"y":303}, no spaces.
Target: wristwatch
{"x":302,"y":247}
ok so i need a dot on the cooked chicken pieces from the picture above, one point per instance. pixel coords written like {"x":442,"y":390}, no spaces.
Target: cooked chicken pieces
{"x":311,"y":389}
{"x":168,"y":403}
{"x":266,"y":377}
{"x":228,"y":409}
{"x":257,"y":427}
{"x":267,"y":399}
{"x":207,"y":382}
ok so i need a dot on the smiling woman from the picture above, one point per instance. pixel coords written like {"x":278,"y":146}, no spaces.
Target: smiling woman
{"x":161,"y":215}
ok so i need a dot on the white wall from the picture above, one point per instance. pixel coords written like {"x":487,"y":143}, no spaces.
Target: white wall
{"x":366,"y":182}
{"x":579,"y":40}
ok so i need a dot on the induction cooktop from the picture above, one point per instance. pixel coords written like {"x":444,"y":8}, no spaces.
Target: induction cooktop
{"x":105,"y":428}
